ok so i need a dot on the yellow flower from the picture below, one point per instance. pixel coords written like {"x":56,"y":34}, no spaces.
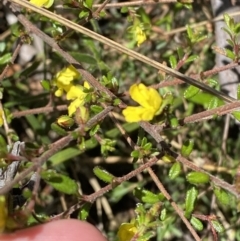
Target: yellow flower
{"x":149,"y":100}
{"x":126,"y":231}
{"x":42,"y":3}
{"x":63,"y":79}
{"x":140,"y":36}
{"x":76,"y":94}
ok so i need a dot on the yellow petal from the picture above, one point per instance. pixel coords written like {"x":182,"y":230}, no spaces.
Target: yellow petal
{"x":74,"y":105}
{"x":138,"y":93}
{"x":140,"y":36}
{"x":139,"y":113}
{"x":67,"y":75}
{"x":86,"y":85}
{"x":155,"y":98}
{"x":59,"y":92}
{"x":48,"y":4}
{"x":126,"y":231}
{"x":44,"y":3}
{"x":75,"y":91}
{"x":146,"y":96}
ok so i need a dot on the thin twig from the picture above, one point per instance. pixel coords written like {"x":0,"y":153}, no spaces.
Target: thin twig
{"x":135,"y":3}
{"x":46,"y":109}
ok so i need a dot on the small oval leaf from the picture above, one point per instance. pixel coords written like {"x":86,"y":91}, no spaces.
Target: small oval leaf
{"x":197,"y":178}
{"x":222,"y":196}
{"x":190,"y":201}
{"x":59,"y":130}
{"x":191,"y":58}
{"x":46,"y":85}
{"x":173,"y":61}
{"x":236,"y":115}
{"x":187,"y":148}
{"x":175,"y":170}
{"x":147,"y":196}
{"x":196,"y":223}
{"x":190,"y":92}
{"x":217,"y":226}
{"x":60,"y":182}
{"x":5,"y":58}
{"x":214,"y":102}
{"x":84,"y":211}
{"x":102,"y":174}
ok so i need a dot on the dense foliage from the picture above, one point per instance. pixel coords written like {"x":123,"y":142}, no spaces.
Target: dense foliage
{"x":123,"y":119}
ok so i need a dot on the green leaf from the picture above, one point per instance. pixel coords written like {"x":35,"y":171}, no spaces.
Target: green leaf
{"x":180,"y":52}
{"x":167,"y":100}
{"x":236,"y":115}
{"x":196,"y":223}
{"x":116,"y":102}
{"x":197,"y":178}
{"x":83,"y":58}
{"x":146,"y":196}
{"x":168,"y":159}
{"x":230,"y":54}
{"x":71,"y":152}
{"x":60,"y":182}
{"x":4,"y":59}
{"x":173,"y":120}
{"x":147,"y":146}
{"x":217,"y":226}
{"x":191,"y":58}
{"x":144,"y":141}
{"x":120,"y":191}
{"x":96,"y":108}
{"x":102,"y":174}
{"x":94,"y":130}
{"x":190,"y":33}
{"x":190,"y":92}
{"x":135,"y":154}
{"x":229,"y":21}
{"x":214,"y":102}
{"x":212,"y":82}
{"x":89,"y":3}
{"x":84,"y":211}
{"x":223,"y":197}
{"x":173,"y":61}
{"x":187,"y":148}
{"x":124,"y":9}
{"x":190,"y":201}
{"x":58,"y":129}
{"x":83,"y":14}
{"x":2,"y":46}
{"x":163,"y":214}
{"x":46,"y":85}
{"x":175,"y":170}
{"x":237,"y":28}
